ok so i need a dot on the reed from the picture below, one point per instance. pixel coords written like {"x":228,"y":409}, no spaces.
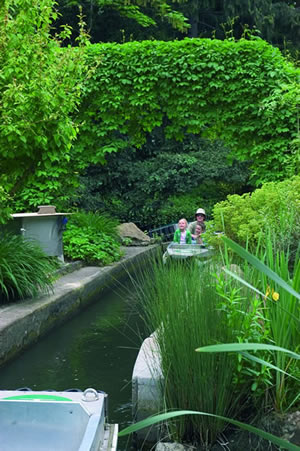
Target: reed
{"x":278,"y":311}
{"x":181,"y":304}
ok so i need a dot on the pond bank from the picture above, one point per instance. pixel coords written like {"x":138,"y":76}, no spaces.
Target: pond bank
{"x":22,"y":323}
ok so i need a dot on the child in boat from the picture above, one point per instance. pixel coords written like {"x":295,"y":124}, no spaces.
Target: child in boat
{"x":182,"y":235}
{"x":198,"y":231}
{"x":200,"y":217}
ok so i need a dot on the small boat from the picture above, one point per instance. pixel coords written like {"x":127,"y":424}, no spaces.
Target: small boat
{"x":71,"y":420}
{"x":183,"y":251}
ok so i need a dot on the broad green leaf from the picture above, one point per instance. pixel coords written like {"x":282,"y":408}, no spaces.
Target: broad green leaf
{"x":238,"y":347}
{"x":260,"y":266}
{"x":268,"y":364}
{"x":169,"y":415}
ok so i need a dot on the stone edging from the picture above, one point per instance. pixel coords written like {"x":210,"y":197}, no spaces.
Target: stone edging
{"x":22,"y":323}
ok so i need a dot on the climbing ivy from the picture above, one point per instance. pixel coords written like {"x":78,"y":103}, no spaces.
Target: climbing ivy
{"x":233,"y":91}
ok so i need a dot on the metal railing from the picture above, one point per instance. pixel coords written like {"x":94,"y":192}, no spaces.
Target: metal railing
{"x":166,"y":232}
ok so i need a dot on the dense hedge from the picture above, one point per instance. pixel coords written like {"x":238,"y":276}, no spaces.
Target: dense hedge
{"x":241,"y":92}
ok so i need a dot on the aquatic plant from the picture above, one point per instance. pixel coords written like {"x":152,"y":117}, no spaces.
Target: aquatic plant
{"x":269,"y":327}
{"x":181,"y":304}
{"x":283,"y":444}
{"x":279,"y":292}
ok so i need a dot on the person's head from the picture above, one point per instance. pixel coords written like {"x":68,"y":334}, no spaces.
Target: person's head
{"x":200,"y":215}
{"x":182,"y":224}
{"x":198,"y":229}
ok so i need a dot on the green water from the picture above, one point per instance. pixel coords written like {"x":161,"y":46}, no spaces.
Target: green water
{"x":95,"y":349}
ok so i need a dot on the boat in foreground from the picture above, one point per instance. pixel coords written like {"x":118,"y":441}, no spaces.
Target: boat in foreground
{"x":55,"y":421}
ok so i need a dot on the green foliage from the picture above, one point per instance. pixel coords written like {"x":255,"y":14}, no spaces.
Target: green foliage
{"x":184,"y":205}
{"x":162,"y":181}
{"x":283,"y":444}
{"x":95,"y":221}
{"x":279,"y":291}
{"x":40,"y":88}
{"x":144,"y":14}
{"x":275,"y":206}
{"x":24,"y":269}
{"x":177,"y":298}
{"x":4,"y":206}
{"x":132,"y":9}
{"x":92,"y":238}
{"x":237,"y":304}
{"x":108,"y":21}
{"x":271,"y":320}
{"x":180,"y":206}
{"x":221,"y":90}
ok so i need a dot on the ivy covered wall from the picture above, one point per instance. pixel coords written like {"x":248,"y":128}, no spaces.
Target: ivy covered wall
{"x":244,"y":93}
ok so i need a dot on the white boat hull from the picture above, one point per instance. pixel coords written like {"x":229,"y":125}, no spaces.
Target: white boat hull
{"x":183,"y":251}
{"x":55,"y":421}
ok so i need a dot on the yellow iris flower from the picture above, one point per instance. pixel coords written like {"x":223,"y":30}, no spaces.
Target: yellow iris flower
{"x":275,"y":295}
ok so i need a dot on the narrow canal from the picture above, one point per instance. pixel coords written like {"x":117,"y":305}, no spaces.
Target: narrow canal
{"x":95,"y":349}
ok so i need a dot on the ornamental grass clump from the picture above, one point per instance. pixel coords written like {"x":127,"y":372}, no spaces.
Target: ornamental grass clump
{"x":265,"y":342}
{"x":25,"y":270}
{"x":181,"y":304}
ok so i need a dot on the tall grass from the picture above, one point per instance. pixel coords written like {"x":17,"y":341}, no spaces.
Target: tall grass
{"x":99,"y":222}
{"x":271,"y":318}
{"x":180,"y":303}
{"x":24,"y":269}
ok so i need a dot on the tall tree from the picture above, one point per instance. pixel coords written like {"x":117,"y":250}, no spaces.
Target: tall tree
{"x":109,"y":20}
{"x":276,"y":21}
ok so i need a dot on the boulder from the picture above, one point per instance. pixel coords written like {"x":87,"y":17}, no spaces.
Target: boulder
{"x":136,"y":235}
{"x":161,"y":446}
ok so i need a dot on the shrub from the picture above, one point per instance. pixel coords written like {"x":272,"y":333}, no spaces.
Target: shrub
{"x":96,"y":221}
{"x":93,"y":238}
{"x":274,"y":206}
{"x":25,"y":270}
{"x":5,"y":202}
{"x":184,"y":205}
{"x":178,"y":206}
{"x":162,"y":181}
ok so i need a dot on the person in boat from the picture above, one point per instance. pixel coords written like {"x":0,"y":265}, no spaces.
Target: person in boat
{"x":182,"y":235}
{"x":200,"y":217}
{"x":198,"y":231}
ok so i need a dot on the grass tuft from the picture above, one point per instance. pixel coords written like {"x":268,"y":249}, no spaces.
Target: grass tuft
{"x":25,"y":270}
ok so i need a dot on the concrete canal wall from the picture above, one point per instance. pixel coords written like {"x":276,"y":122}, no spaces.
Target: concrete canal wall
{"x":22,"y":323}
{"x":146,"y":388}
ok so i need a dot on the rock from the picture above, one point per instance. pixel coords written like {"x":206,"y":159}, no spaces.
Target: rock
{"x":291,"y":427}
{"x":172,"y":447}
{"x":131,"y":231}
